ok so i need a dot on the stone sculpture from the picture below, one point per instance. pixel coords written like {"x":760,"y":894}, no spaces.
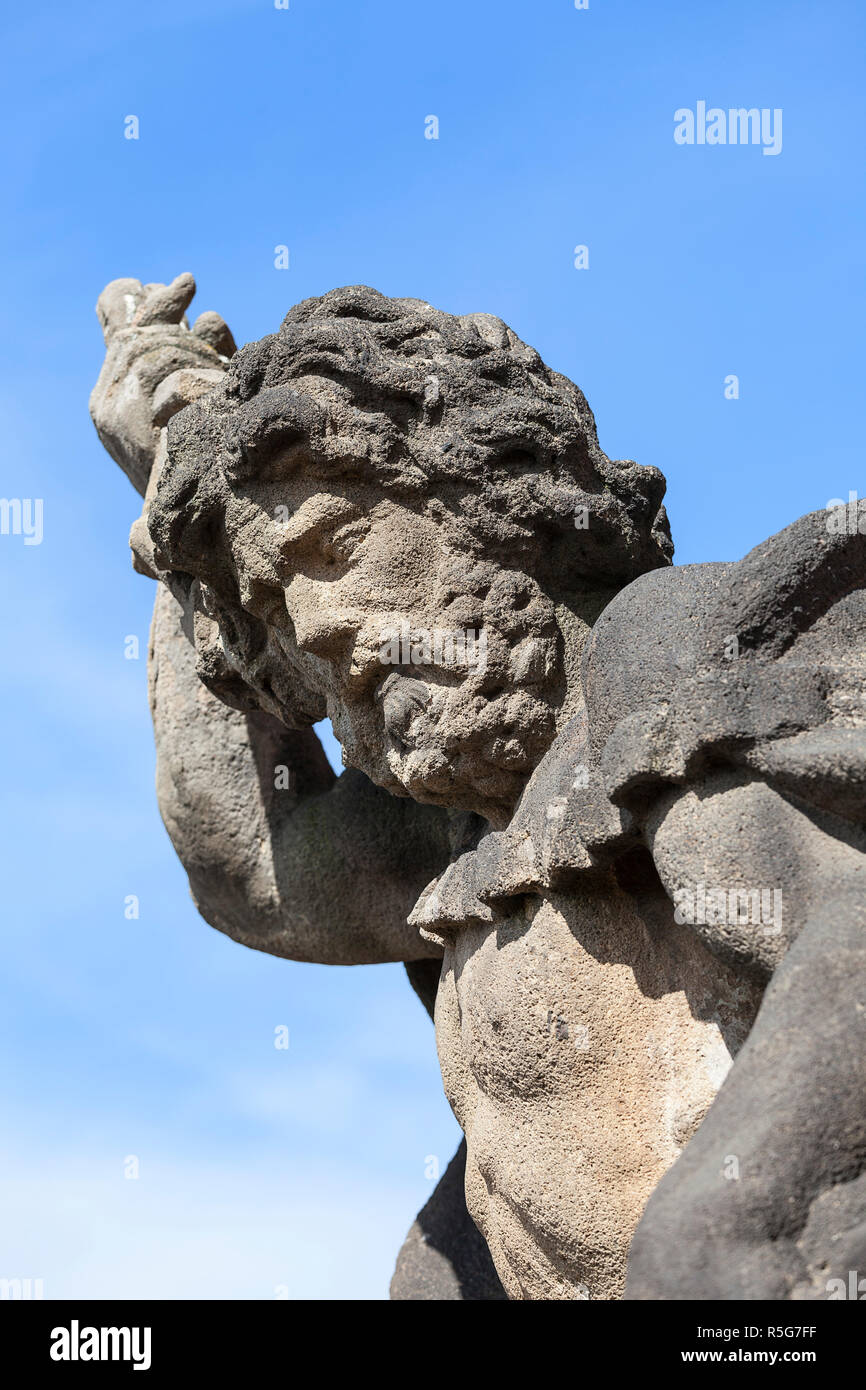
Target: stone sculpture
{"x":611,"y":813}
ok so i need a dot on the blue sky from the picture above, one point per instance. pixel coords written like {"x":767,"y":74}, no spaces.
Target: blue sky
{"x":305,"y":127}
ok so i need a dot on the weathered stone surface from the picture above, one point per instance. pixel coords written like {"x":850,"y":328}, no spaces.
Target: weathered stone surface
{"x":630,"y":824}
{"x":378,"y":461}
{"x":321,"y":869}
{"x":151,"y":359}
{"x":580,"y":1049}
{"x":444,"y":1257}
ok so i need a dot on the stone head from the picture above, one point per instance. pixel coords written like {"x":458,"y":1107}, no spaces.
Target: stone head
{"x":402,"y":519}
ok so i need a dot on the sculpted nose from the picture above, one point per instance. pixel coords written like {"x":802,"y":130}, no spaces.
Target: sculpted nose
{"x":320,"y":629}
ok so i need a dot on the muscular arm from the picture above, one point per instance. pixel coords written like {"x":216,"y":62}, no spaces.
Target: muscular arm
{"x":282,"y":855}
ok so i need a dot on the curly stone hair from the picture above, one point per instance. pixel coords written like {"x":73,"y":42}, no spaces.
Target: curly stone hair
{"x":426,"y":406}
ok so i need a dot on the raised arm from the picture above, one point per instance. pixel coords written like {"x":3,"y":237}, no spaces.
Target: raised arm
{"x":282,"y":855}
{"x":154,"y":366}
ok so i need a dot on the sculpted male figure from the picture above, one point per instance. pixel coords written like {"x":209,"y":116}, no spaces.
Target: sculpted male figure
{"x":629,"y":842}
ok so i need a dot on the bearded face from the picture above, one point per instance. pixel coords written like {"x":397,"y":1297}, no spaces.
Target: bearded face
{"x":441,"y":673}
{"x":403,"y":519}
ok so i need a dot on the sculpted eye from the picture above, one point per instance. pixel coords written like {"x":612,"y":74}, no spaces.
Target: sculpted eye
{"x":341,"y":547}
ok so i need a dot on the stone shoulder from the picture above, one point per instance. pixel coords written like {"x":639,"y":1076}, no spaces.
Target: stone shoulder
{"x":759,"y":664}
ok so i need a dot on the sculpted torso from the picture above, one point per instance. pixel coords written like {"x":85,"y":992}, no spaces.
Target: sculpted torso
{"x":609,"y":812}
{"x":579,"y":1050}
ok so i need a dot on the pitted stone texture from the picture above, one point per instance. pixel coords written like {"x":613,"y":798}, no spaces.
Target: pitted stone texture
{"x":281,"y":854}
{"x":747,"y":775}
{"x":154,"y":366}
{"x":444,"y":1257}
{"x":767,"y":1202}
{"x":635,"y":736}
{"x":379,"y":466}
{"x":580,"y":1048}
